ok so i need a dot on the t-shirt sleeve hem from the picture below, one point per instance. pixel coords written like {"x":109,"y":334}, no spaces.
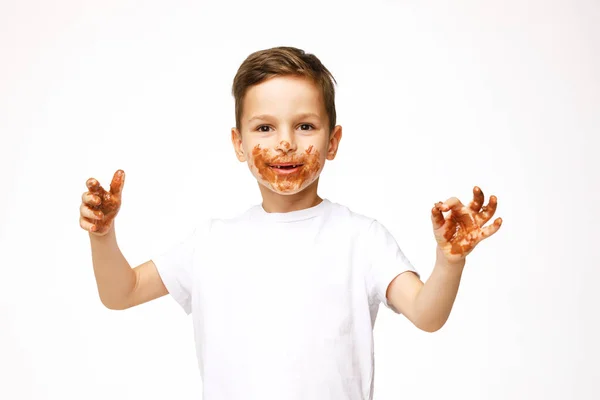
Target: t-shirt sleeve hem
{"x":387,"y":261}
{"x":173,"y":286}
{"x":385,"y":282}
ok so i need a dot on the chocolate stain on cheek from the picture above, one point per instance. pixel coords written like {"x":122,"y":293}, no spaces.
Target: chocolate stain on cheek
{"x":310,"y":160}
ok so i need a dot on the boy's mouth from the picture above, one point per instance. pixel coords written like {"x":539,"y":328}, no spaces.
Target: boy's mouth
{"x":285,"y":165}
{"x":285,"y":168}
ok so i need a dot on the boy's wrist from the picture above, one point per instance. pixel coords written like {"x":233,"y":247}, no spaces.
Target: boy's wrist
{"x":443,"y":262}
{"x":107,"y":237}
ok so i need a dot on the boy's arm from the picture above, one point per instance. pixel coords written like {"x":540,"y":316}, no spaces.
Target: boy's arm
{"x":120,"y":286}
{"x":428,"y":305}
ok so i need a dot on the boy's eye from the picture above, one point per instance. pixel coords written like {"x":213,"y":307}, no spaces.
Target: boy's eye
{"x":266,"y":128}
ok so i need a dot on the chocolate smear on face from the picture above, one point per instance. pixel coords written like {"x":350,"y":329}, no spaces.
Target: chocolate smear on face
{"x":309,"y":166}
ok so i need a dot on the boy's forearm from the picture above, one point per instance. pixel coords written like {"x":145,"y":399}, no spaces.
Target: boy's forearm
{"x":114,"y":276}
{"x":436,"y":298}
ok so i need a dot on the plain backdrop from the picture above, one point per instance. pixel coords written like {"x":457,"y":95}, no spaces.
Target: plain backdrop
{"x":434,"y":98}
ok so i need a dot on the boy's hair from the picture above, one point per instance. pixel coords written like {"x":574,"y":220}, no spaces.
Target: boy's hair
{"x":283,"y":61}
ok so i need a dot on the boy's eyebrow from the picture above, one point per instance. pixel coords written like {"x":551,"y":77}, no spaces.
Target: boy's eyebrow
{"x":267,"y":116}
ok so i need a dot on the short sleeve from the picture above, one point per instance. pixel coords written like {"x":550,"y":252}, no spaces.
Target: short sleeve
{"x":386,"y":262}
{"x":175,"y":266}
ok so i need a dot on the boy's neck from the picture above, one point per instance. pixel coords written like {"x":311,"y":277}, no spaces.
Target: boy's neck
{"x":277,"y":203}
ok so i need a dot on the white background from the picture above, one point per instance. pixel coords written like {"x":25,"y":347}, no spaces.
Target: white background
{"x":434,"y":97}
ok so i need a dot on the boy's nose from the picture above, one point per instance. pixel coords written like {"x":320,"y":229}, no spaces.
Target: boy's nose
{"x":286,"y":146}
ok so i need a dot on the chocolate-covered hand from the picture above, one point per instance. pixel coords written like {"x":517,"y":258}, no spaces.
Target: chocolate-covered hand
{"x":458,"y":233}
{"x":100,"y":207}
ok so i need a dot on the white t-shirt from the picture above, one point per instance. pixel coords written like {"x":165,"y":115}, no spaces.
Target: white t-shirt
{"x":284,"y":304}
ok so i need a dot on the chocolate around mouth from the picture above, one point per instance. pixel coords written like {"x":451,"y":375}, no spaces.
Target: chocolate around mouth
{"x":291,"y":166}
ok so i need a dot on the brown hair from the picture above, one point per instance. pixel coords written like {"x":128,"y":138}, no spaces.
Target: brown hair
{"x":281,"y":61}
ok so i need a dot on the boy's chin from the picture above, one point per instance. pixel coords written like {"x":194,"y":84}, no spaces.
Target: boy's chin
{"x":286,"y":192}
{"x":286,"y":189}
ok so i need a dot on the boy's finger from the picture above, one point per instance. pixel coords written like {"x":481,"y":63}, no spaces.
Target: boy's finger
{"x":452,"y":203}
{"x":487,"y":212}
{"x":437,"y":218}
{"x":93,"y":185}
{"x":86,"y":225}
{"x":117,"y":183}
{"x":478,"y":198}
{"x":87,"y":212}
{"x":491,"y":229}
{"x":91,"y":199}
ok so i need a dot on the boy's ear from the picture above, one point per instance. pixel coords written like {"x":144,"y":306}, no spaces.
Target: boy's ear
{"x":334,"y":142}
{"x":236,"y":140}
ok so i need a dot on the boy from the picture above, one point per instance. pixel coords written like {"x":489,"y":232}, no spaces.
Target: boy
{"x":285,"y":295}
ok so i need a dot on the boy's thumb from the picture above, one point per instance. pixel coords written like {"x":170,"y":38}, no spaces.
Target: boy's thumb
{"x":118,"y":182}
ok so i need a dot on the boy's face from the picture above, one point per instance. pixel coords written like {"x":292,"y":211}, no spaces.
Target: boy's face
{"x":285,"y":136}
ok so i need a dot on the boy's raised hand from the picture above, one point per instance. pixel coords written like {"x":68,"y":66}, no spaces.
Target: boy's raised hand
{"x":458,"y":233}
{"x":100,"y":207}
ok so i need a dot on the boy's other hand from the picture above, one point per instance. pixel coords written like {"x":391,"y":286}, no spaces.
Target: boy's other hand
{"x":458,"y":233}
{"x":100,"y":207}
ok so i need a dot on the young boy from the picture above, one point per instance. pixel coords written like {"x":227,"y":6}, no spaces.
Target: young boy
{"x":285,"y":295}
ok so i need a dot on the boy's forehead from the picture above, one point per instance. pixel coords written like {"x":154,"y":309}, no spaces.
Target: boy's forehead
{"x":283,"y":95}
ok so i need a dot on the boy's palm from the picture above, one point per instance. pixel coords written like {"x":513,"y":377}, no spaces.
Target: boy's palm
{"x":459,"y":232}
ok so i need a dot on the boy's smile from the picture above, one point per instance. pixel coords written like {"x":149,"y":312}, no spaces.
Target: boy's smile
{"x":286,"y":174}
{"x":285,"y":137}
